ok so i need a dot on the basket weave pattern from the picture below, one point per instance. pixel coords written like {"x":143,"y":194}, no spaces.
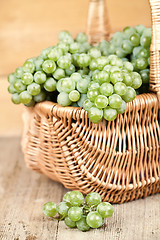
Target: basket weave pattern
{"x":118,"y":159}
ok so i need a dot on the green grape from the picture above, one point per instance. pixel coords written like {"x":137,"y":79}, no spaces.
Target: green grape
{"x":74,"y":47}
{"x":114,"y":69}
{"x":107,"y":68}
{"x":74,"y":96}
{"x":68,"y":39}
{"x":67,"y":85}
{"x":40,"y":97}
{"x":11,"y":89}
{"x":64,"y":62}
{"x":144,"y":53}
{"x":128,"y":66}
{"x":141,"y":63}
{"x":55,"y":53}
{"x":93,"y":85}
{"x":69,"y":222}
{"x":94,"y":219}
{"x":135,"y":39}
{"x":129,"y":95}
{"x":59,"y":73}
{"x":76,"y":77}
{"x":140,"y":28}
{"x":82,"y":85}
{"x":106,"y":89}
{"x":102,"y":62}
{"x":147,"y":32}
{"x":145,"y":75}
{"x":50,"y":84}
{"x":93,"y":65}
{"x":81,"y":37}
{"x":63,"y":46}
{"x":49,"y":66}
{"x":87,"y":104}
{"x":101,"y":101}
{"x":29,"y":67}
{"x":63,"y":99}
{"x":110,"y":114}
{"x":19,"y":72}
{"x":25,"y":97}
{"x":122,"y":108}
{"x":50,"y":209}
{"x":34,"y":89}
{"x":127,"y":46}
{"x":94,"y":52}
{"x":62,"y":208}
{"x":145,"y":41}
{"x":27,"y":78}
{"x":95,"y":115}
{"x":38,"y":63}
{"x":82,"y":99}
{"x":127,"y":79}
{"x":116,"y":77}
{"x":63,"y":34}
{"x":129,"y":31}
{"x":105,"y":209}
{"x":120,"y":52}
{"x":116,"y":62}
{"x":70,"y":70}
{"x":83,"y":60}
{"x":115,"y":101}
{"x":66,"y":197}
{"x":30,"y":104}
{"x":92,"y":94}
{"x":76,"y":198}
{"x":82,"y":224}
{"x":103,"y":44}
{"x":44,"y":53}
{"x":102,"y":77}
{"x":120,"y":88}
{"x":59,"y":85}
{"x":19,"y":86}
{"x":137,"y":81}
{"x":40,"y":77}
{"x":15,"y":98}
{"x":93,"y":199}
{"x":75,"y":214}
{"x":136,"y":51}
{"x":84,"y":47}
{"x":11,"y":78}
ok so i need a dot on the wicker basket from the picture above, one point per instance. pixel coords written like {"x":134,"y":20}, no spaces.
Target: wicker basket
{"x":118,"y":159}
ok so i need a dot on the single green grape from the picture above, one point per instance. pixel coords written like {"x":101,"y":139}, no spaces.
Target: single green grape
{"x":102,"y":62}
{"x":145,"y":75}
{"x":137,"y":81}
{"x":59,"y":73}
{"x":115,"y":101}
{"x":66,"y":197}
{"x":82,"y":85}
{"x":87,"y":104}
{"x":27,"y":78}
{"x":93,"y":65}
{"x":11,"y":89}
{"x":92,"y":94}
{"x":120,"y":88}
{"x":69,"y":222}
{"x":120,"y":52}
{"x":110,"y":114}
{"x":19,"y":86}
{"x":49,"y":66}
{"x":95,"y":115}
{"x":74,"y":47}
{"x":82,"y":224}
{"x":44,"y":53}
{"x":15,"y":98}
{"x":93,"y":85}
{"x":141,"y":63}
{"x":25,"y":97}
{"x":62,"y":208}
{"x":122,"y":108}
{"x":106,"y":89}
{"x":70,"y":70}
{"x":101,"y":101}
{"x":75,"y":213}
{"x":76,"y":77}
{"x":127,"y":79}
{"x":63,"y":99}
{"x":76,"y":198}
{"x":63,"y":46}
{"x":93,"y":199}
{"x":94,"y":219}
{"x":103,"y":77}
{"x":74,"y":96}
{"x":64,"y":62}
{"x":29,"y":67}
{"x":30,"y":104}
{"x":38,"y":63}
{"x":135,"y":39}
{"x":116,"y":77}
{"x":83,"y":60}
{"x":81,"y":37}
{"x":19,"y":72}
{"x":50,"y":209}
{"x":82,"y":99}
{"x":145,"y":41}
{"x":40,"y":97}
{"x":40,"y":77}
{"x":129,"y":95}
{"x":94,"y":52}
{"x":59,"y":85}
{"x":34,"y":89}
{"x":55,"y":54}
{"x":67,"y":85}
{"x":140,"y":28}
{"x":105,"y":209}
{"x":50,"y":84}
{"x":127,"y":65}
{"x":11,"y":78}
{"x":127,"y":46}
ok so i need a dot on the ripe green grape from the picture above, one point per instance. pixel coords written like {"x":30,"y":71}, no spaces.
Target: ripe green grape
{"x":82,"y":224}
{"x":75,"y":214}
{"x":101,"y":101}
{"x":40,"y":77}
{"x":55,"y":54}
{"x":83,"y":60}
{"x":120,"y":88}
{"x":116,"y":77}
{"x":34,"y":89}
{"x":115,"y":101}
{"x":82,"y":85}
{"x":67,"y":85}
{"x":106,"y":89}
{"x":70,"y":70}
{"x":82,"y":99}
{"x":50,"y":84}
{"x":27,"y":78}
{"x":129,"y":95}
{"x":81,"y":37}
{"x":69,"y":222}
{"x":25,"y":97}
{"x":62,"y":208}
{"x":64,"y":62}
{"x":19,"y":72}
{"x":95,"y":114}
{"x":40,"y":97}
{"x":110,"y":114}
{"x":49,"y":66}
{"x":63,"y":99}
{"x":66,"y":197}
{"x":93,"y":199}
{"x":122,"y":108}
{"x":94,"y":52}
{"x":11,"y":78}
{"x":29,"y":67}
{"x":74,"y":96}
{"x":92,"y":94}
{"x":19,"y":86}
{"x":94,"y":219}
{"x":76,"y":198}
{"x":59,"y":73}
{"x":105,"y":209}
{"x":137,"y":81}
{"x":87,"y":104}
{"x":50,"y":209}
{"x":15,"y":98}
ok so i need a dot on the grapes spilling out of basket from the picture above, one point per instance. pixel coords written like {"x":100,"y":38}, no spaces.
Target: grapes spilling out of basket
{"x":101,"y":78}
{"x":80,"y":213}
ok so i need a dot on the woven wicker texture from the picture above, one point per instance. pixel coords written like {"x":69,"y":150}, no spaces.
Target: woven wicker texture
{"x":118,"y":159}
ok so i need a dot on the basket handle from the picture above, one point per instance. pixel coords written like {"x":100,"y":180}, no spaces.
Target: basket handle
{"x":98,"y":27}
{"x":155,"y":48}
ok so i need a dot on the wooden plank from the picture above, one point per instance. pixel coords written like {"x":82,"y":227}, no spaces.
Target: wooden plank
{"x":23,"y":193}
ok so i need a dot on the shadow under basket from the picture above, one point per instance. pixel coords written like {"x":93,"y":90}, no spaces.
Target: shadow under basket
{"x":118,"y":159}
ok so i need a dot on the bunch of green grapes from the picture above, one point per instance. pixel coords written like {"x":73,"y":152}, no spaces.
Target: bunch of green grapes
{"x":75,"y":73}
{"x":80,"y":213}
{"x":132,"y":44}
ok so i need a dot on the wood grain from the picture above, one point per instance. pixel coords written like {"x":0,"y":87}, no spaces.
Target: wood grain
{"x":23,"y":193}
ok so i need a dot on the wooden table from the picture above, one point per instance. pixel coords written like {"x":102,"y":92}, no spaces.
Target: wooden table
{"x":23,"y":193}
